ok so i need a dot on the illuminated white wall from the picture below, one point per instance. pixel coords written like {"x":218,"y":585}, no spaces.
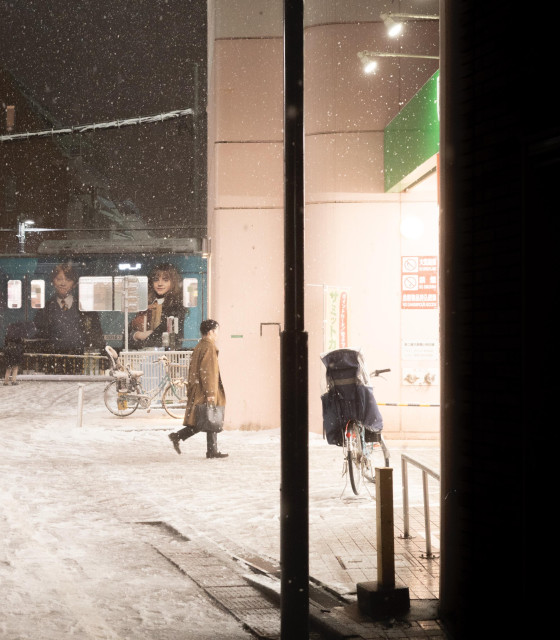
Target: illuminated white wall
{"x":353,"y":229}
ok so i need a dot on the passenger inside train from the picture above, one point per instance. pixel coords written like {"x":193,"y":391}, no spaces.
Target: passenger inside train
{"x":101,"y":294}
{"x":63,"y":326}
{"x":161,"y":325}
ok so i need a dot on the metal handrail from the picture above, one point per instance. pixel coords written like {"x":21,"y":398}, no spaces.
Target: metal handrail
{"x":405,"y":459}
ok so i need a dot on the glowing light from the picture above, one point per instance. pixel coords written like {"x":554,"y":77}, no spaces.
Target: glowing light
{"x":395,"y":29}
{"x":370,"y":66}
{"x":412,"y":227}
{"x":125,"y":266}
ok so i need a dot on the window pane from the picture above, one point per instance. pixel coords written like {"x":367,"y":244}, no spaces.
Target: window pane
{"x":157,"y":164}
{"x":96,"y":293}
{"x":14,"y":294}
{"x":190,"y":292}
{"x":37,"y":294}
{"x":137,"y":293}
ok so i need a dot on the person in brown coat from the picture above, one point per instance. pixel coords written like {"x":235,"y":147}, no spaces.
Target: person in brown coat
{"x":204,"y":385}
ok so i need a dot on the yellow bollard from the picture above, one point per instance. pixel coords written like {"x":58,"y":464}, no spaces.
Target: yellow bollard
{"x":382,"y":598}
{"x":385,"y":528}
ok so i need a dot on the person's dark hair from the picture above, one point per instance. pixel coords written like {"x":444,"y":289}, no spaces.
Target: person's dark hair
{"x":171,"y":271}
{"x":208,"y":325}
{"x":67,"y":270}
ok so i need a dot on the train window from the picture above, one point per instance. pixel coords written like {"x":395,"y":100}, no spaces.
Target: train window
{"x":190,"y":292}
{"x":105,"y":293}
{"x":96,"y":293}
{"x":14,"y":294}
{"x":137,"y":287}
{"x":37,"y":294}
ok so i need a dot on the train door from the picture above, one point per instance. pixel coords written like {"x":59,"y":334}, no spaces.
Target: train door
{"x":194,"y":300}
{"x":20,"y":292}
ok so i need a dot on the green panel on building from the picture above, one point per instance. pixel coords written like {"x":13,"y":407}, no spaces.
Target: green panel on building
{"x":411,"y":139}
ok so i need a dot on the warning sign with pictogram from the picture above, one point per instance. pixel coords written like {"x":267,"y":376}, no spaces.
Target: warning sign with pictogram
{"x":419,"y":282}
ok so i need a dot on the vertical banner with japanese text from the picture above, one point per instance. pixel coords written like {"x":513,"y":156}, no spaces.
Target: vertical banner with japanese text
{"x":336,"y":318}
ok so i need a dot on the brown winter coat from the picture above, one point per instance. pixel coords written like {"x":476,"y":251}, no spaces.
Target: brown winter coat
{"x":204,"y":379}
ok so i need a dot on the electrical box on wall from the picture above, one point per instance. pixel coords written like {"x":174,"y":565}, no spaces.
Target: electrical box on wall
{"x":420,"y":376}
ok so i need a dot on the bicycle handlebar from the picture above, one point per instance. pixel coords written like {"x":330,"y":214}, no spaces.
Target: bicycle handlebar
{"x":378,"y":372}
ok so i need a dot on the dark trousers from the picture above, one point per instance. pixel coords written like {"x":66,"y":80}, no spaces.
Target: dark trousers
{"x":211,"y":438}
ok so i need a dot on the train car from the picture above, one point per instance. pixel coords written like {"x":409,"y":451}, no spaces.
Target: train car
{"x":113,"y":285}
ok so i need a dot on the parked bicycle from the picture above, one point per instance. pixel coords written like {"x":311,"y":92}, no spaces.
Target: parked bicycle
{"x":363,"y":450}
{"x":125,"y":393}
{"x":351,"y":417}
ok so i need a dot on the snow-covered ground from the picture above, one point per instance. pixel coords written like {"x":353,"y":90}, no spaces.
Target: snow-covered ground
{"x":77,"y":496}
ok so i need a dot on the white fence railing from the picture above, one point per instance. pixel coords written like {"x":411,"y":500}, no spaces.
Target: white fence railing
{"x":154,"y":370}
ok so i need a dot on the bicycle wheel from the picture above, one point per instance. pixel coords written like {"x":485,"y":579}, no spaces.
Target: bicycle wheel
{"x":119,"y":404}
{"x":376,"y":455}
{"x":355,"y":455}
{"x":174,"y":399}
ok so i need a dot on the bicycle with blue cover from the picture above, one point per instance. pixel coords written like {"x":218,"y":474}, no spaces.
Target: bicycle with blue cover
{"x":351,"y":417}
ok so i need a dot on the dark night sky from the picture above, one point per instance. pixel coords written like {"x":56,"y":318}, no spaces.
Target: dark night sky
{"x":92,"y":61}
{"x":97,"y":60}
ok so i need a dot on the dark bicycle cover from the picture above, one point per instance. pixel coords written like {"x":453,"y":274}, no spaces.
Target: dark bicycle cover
{"x":347,"y":398}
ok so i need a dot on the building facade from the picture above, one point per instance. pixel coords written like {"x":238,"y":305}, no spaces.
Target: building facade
{"x":367,"y":244}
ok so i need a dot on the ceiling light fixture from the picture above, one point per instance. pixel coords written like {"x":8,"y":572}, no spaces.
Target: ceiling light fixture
{"x":395,"y":27}
{"x":369,"y":64}
{"x":369,"y":61}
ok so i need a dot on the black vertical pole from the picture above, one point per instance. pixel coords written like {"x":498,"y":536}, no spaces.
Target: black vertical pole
{"x":196,"y":132}
{"x":294,"y":508}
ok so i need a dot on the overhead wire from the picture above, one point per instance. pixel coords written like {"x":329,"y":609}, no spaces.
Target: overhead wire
{"x":178,"y":113}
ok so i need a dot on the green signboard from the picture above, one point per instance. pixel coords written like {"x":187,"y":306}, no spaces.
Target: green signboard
{"x":411,"y":140}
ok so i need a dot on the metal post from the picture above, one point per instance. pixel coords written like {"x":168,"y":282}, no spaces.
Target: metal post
{"x":425,"y":473}
{"x":385,"y":528}
{"x":404,"y":469}
{"x":129,"y":302}
{"x":80,"y":403}
{"x":429,"y":553}
{"x":196,"y":177}
{"x":294,"y":508}
{"x":383,"y":598}
{"x":125,"y":303}
{"x":21,"y":237}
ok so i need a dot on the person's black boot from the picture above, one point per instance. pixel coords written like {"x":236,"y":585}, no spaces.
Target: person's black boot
{"x":175,"y":440}
{"x":216,"y":454}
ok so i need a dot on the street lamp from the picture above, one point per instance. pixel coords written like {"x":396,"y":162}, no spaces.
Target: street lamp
{"x":396,"y":27}
{"x":22,"y":228}
{"x":369,"y":61}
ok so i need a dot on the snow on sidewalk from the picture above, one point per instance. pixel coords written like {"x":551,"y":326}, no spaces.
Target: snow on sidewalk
{"x":78,"y":501}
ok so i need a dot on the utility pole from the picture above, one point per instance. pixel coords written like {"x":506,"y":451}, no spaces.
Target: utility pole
{"x":294,"y":508}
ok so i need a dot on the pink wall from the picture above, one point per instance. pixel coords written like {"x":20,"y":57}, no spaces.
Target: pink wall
{"x":352,"y":227}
